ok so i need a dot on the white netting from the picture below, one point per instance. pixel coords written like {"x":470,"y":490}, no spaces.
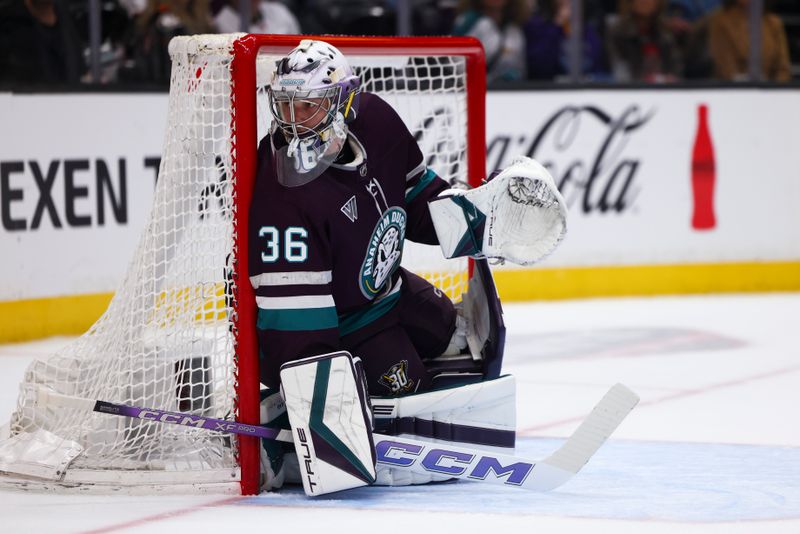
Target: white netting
{"x":165,"y":341}
{"x":429,"y":93}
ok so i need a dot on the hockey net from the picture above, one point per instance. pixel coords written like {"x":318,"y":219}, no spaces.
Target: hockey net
{"x":178,"y":334}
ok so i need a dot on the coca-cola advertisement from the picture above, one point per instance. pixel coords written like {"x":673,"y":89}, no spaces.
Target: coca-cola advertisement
{"x":660,"y":176}
{"x":703,"y":174}
{"x":654,"y":176}
{"x":602,"y":180}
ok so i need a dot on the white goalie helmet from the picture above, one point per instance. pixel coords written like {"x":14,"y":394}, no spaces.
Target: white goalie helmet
{"x":312,"y":96}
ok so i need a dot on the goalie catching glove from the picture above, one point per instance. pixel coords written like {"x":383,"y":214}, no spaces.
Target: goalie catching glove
{"x":518,"y":215}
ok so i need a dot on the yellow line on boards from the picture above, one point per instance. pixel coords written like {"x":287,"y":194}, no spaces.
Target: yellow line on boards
{"x":23,"y":320}
{"x":71,"y":315}
{"x":641,"y":280}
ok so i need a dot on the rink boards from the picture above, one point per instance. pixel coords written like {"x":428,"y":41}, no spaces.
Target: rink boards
{"x":76,"y":193}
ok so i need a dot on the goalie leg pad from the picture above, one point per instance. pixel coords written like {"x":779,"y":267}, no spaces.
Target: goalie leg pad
{"x":481,"y":414}
{"x":481,"y":316}
{"x":273,"y":460}
{"x":278,"y":457}
{"x":330,"y":417}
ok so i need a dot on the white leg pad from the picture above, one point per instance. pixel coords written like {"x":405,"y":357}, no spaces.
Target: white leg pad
{"x":330,"y":421}
{"x":481,"y":414}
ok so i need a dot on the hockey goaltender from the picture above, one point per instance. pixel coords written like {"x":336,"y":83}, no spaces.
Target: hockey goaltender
{"x":350,"y":342}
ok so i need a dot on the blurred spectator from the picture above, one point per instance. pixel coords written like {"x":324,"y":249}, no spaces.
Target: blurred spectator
{"x":432,"y":17}
{"x":115,"y":25}
{"x":685,"y":18}
{"x":688,"y":22}
{"x":547,"y":49}
{"x":640,"y":46}
{"x":39,"y":42}
{"x":697,"y":62}
{"x":181,"y":17}
{"x":133,"y":7}
{"x":347,"y":17}
{"x":691,"y":10}
{"x":266,"y":17}
{"x":161,"y":20}
{"x":729,"y":43}
{"x":498,"y":25}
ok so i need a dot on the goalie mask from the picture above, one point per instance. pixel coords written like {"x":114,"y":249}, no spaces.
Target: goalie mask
{"x":312,"y":96}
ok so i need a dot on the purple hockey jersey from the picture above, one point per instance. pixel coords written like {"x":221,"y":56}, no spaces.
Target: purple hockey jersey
{"x":325,"y":256}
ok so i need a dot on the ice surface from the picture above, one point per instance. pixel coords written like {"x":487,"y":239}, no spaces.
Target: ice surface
{"x":714,"y":445}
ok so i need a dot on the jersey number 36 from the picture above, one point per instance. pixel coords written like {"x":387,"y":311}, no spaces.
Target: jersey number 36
{"x":294,"y":247}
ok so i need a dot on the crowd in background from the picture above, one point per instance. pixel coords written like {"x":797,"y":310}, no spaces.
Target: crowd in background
{"x":651,"y":41}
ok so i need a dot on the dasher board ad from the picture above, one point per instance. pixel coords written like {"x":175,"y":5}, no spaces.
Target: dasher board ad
{"x":661,"y":177}
{"x":77,"y":176}
{"x":645,"y":182}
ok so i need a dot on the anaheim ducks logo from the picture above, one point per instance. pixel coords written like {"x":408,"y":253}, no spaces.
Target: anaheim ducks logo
{"x":384,"y":252}
{"x":396,"y":378}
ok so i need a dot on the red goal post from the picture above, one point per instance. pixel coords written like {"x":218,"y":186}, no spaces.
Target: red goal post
{"x":246,"y":49}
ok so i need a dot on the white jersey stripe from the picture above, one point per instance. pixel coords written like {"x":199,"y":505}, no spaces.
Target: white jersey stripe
{"x":313,"y":278}
{"x":295,"y":303}
{"x":416,"y":172}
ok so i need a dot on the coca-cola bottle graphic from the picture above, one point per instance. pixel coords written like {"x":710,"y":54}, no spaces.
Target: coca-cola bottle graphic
{"x":703,"y":174}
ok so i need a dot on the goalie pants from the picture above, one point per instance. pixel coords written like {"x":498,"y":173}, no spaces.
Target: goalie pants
{"x":393,"y":347}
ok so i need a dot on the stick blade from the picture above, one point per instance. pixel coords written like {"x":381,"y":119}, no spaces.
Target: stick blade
{"x":594,"y":430}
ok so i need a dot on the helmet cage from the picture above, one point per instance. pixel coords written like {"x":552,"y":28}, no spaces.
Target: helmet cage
{"x":319,"y":108}
{"x":312,"y":96}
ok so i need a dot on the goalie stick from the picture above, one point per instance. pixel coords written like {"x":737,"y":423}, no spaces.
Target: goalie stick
{"x":420,"y":456}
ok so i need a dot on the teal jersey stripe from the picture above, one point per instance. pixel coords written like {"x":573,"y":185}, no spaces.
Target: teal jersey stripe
{"x":294,"y":320}
{"x":426,"y":179}
{"x":351,"y":322}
